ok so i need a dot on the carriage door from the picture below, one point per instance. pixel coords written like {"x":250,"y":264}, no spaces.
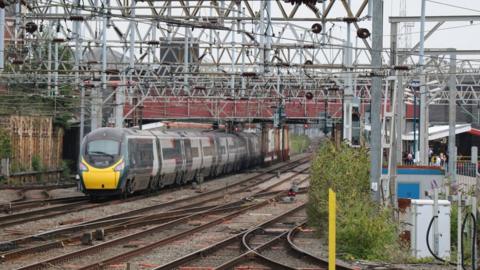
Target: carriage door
{"x":188,"y":154}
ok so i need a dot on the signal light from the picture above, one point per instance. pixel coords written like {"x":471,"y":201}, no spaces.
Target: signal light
{"x":316,"y":28}
{"x":363,"y":33}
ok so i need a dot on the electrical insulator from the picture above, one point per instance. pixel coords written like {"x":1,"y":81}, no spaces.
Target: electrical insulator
{"x":309,"y":95}
{"x":316,"y":28}
{"x":31,"y":27}
{"x":363,"y":33}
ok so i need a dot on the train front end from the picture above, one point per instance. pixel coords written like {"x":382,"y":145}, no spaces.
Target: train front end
{"x":102,"y":166}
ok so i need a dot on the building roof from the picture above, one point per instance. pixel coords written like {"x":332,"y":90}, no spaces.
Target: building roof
{"x":440,"y":131}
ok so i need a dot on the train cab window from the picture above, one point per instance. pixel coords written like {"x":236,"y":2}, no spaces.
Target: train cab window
{"x":102,"y":153}
{"x":103,"y":147}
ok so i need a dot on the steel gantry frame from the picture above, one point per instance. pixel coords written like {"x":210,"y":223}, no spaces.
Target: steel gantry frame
{"x":116,"y":52}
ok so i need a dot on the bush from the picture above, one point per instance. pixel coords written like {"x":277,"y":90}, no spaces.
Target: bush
{"x":66,"y":169}
{"x":5,"y":144}
{"x":299,"y":143}
{"x":364,"y":229}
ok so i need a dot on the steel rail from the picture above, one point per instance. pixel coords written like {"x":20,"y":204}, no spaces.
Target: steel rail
{"x":112,"y":226}
{"x":127,"y":216}
{"x":219,"y":245}
{"x":304,"y":253}
{"x":143,"y":233}
{"x":19,"y":205}
{"x":125,"y":223}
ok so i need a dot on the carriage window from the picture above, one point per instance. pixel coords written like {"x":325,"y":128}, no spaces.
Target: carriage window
{"x":208,"y":150}
{"x":195,"y":152}
{"x":174,"y":152}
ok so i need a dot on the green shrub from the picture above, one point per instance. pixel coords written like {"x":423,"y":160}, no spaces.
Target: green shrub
{"x":5,"y":144}
{"x":36,"y":163}
{"x":365,"y":230}
{"x":299,"y":143}
{"x":66,"y":169}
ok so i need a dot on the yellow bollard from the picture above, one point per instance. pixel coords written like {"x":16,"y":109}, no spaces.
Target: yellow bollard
{"x":331,"y":229}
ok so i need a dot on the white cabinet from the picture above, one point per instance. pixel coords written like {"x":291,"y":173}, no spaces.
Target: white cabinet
{"x":420,"y":214}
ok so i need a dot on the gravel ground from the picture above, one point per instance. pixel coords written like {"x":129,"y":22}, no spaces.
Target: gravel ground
{"x":8,"y":195}
{"x":162,"y":255}
{"x":64,"y":192}
{"x":36,"y":194}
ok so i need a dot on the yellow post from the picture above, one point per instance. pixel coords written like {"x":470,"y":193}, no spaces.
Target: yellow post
{"x":331,"y":229}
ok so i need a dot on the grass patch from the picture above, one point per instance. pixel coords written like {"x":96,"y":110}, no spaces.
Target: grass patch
{"x":299,"y":143}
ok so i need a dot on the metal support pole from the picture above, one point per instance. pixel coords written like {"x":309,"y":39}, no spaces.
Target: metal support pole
{"x":415,"y":124}
{"x":452,"y":107}
{"x":269,"y":33}
{"x":262,"y":37}
{"x":242,"y":92}
{"x":436,"y":246}
{"x":349,"y":92}
{"x":459,"y":231}
{"x":79,"y":87}
{"x":56,"y":65}
{"x":376,"y":150}
{"x":423,"y":142}
{"x":2,"y":39}
{"x":475,"y":252}
{"x":233,"y":71}
{"x":131,"y":65}
{"x":185,"y":62}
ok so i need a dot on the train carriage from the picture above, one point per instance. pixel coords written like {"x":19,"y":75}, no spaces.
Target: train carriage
{"x":123,"y":161}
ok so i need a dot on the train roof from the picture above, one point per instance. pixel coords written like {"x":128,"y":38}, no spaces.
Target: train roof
{"x":119,"y":132}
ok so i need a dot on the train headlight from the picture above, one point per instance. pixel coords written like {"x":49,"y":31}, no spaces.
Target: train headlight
{"x":83,"y":167}
{"x":119,"y":167}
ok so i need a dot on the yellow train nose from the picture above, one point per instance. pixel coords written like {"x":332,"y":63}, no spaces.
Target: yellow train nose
{"x":100,"y":178}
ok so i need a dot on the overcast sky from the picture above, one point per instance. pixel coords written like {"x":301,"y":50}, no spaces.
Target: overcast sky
{"x":461,"y":35}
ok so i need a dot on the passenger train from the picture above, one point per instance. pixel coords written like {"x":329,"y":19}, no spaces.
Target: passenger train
{"x":124,"y":161}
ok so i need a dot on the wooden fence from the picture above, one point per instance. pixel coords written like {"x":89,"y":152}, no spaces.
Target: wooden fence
{"x":34,"y":139}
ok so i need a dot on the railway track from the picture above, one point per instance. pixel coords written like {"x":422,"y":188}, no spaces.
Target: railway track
{"x":266,"y":246}
{"x":23,"y":246}
{"x":118,"y":249}
{"x":19,"y":218}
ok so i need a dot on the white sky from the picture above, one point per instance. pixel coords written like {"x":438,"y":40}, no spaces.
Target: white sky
{"x":462,"y":35}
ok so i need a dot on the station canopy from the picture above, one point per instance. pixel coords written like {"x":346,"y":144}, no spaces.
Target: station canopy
{"x":441,"y":131}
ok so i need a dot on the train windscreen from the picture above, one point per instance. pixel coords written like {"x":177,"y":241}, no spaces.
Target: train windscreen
{"x":102,"y":153}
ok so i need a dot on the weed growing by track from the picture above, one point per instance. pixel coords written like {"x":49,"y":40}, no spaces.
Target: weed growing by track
{"x":365,"y":230}
{"x":299,"y":143}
